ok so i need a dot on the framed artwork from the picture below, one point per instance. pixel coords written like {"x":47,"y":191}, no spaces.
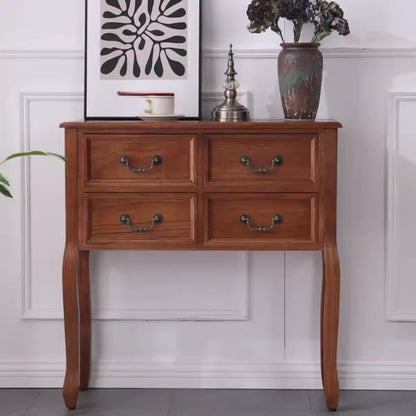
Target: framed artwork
{"x":139,"y":47}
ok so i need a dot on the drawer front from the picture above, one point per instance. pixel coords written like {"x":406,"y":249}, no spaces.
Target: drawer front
{"x":286,"y":160}
{"x":152,"y":160}
{"x":123,"y":220}
{"x":262,"y":221}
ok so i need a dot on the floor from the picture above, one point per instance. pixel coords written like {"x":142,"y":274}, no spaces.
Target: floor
{"x":167,"y":402}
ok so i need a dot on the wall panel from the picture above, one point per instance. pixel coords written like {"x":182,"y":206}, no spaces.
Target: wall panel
{"x":260,"y":313}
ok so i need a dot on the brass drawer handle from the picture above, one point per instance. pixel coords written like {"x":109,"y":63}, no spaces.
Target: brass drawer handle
{"x":245,"y":219}
{"x":245,"y":161}
{"x":125,"y":161}
{"x":125,"y":220}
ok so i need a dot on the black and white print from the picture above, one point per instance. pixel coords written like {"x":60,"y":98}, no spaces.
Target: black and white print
{"x":144,"y":39}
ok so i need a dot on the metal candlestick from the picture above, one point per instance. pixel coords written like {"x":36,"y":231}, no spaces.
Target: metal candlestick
{"x":230,"y":109}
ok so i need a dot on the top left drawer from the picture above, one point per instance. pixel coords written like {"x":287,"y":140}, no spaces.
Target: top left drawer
{"x":138,"y":160}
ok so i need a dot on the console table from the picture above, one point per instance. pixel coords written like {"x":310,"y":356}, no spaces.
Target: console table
{"x":197,"y":186}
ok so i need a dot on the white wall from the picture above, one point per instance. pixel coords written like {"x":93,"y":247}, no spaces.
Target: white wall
{"x":247,"y":319}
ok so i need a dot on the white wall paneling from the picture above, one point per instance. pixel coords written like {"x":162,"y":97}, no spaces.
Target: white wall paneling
{"x":216,"y":319}
{"x":401,"y":200}
{"x":41,"y":54}
{"x":225,"y":295}
{"x":348,"y":52}
{"x":27,"y":101}
{"x":240,"y":53}
{"x":166,"y":286}
{"x":171,"y":286}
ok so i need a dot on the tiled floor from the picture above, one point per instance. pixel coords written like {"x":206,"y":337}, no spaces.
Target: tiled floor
{"x":166,"y":402}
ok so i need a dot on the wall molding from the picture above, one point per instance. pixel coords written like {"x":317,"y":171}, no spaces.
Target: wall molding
{"x":238,"y":312}
{"x":327,"y":53}
{"x":28,"y":312}
{"x":41,"y":54}
{"x":260,"y":53}
{"x":283,"y":375}
{"x":392,"y":309}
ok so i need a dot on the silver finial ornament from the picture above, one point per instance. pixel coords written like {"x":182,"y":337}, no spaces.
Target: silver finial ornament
{"x":230,"y":109}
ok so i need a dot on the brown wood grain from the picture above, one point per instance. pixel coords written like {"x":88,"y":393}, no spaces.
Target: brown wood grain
{"x":297,"y":152}
{"x":103,"y":213}
{"x":103,"y":153}
{"x":331,"y":271}
{"x":201,"y":190}
{"x":69,"y":273}
{"x":329,"y":324}
{"x":207,"y":126}
{"x":84,"y":318}
{"x":299,"y":212}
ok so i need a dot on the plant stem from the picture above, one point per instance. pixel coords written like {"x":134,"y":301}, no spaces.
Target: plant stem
{"x":297,"y":29}
{"x":276,"y":29}
{"x":318,"y":36}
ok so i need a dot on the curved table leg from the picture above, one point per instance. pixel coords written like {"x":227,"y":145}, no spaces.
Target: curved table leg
{"x":84,"y":319}
{"x":69,"y":286}
{"x":329,"y":324}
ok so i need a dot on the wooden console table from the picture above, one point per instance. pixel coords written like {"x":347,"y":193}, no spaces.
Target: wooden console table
{"x":197,"y":186}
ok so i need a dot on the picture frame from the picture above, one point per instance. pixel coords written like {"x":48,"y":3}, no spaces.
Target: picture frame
{"x":141,"y":47}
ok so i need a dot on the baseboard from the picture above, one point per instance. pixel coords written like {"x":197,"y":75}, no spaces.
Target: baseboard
{"x":358,"y":375}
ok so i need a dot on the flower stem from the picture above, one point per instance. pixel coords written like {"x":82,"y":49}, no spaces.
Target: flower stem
{"x":318,"y":36}
{"x":276,"y":29}
{"x":297,"y":29}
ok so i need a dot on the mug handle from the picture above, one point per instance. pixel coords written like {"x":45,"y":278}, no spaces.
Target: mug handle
{"x":149,"y":108}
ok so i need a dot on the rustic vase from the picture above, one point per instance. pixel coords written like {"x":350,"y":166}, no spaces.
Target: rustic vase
{"x":300,"y":79}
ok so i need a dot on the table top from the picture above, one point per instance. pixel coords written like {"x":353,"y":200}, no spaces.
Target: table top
{"x":203,"y":124}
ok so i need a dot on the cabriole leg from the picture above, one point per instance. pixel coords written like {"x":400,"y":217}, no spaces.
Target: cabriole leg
{"x":329,"y":324}
{"x":70,"y":298}
{"x":84,"y":319}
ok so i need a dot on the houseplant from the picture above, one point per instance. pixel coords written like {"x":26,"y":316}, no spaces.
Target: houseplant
{"x":5,"y":184}
{"x":300,"y":64}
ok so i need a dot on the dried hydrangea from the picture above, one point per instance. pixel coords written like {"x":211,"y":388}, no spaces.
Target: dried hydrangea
{"x":264,"y":14}
{"x":327,"y":17}
{"x":295,"y":11}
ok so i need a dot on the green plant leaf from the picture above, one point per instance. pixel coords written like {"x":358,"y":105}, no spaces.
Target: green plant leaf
{"x":33,"y":153}
{"x":5,"y":191}
{"x":4,"y":180}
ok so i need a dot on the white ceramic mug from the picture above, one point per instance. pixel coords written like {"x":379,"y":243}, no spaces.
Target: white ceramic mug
{"x":158,"y":105}
{"x":153,"y":104}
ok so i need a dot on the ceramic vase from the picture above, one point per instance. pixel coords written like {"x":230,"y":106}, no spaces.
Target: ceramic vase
{"x":300,"y":79}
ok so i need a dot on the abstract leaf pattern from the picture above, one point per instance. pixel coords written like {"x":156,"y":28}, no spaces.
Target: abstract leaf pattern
{"x":144,"y":39}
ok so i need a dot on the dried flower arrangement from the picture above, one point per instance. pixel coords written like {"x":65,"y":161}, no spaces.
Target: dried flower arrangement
{"x":326,"y":16}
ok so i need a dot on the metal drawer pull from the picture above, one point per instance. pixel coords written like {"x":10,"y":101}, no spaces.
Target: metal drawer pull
{"x":245,"y":219}
{"x":125,"y":220}
{"x":245,"y":161}
{"x":125,"y":161}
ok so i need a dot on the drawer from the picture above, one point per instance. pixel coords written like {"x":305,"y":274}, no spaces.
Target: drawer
{"x":283,"y":161}
{"x":262,"y":221}
{"x":120,"y":221}
{"x":144,"y":160}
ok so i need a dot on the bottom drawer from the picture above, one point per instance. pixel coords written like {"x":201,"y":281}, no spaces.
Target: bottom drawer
{"x":262,"y":221}
{"x":119,"y":221}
